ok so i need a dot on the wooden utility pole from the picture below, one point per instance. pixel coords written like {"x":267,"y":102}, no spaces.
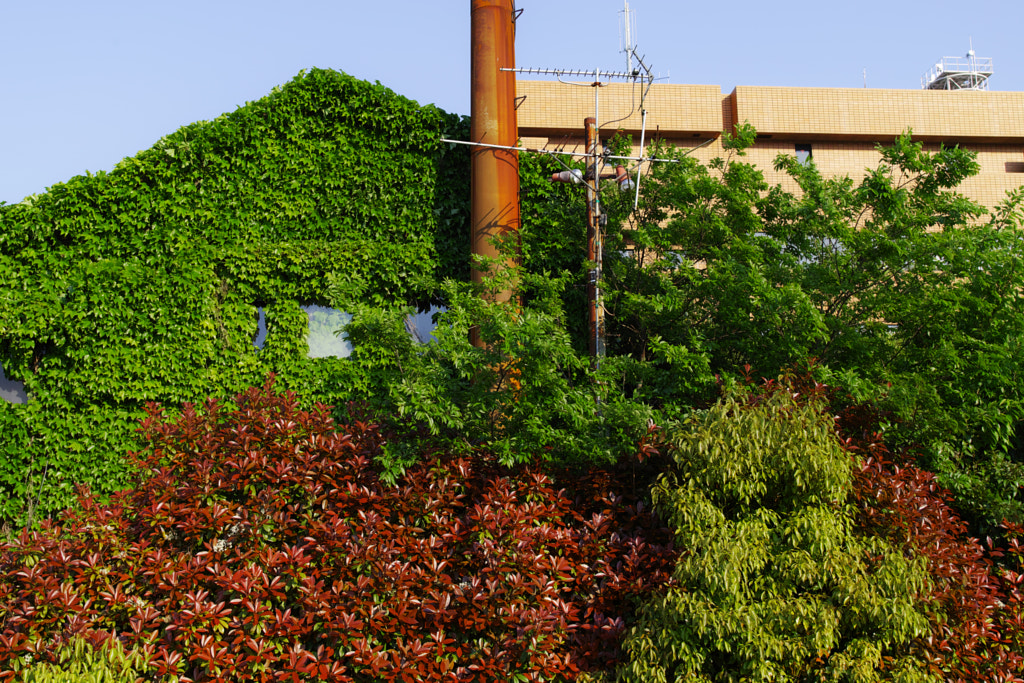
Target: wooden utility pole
{"x":594,"y":250}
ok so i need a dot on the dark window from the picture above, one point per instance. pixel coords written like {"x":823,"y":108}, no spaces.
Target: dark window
{"x":11,"y":391}
{"x":803,"y":153}
{"x":261,"y":328}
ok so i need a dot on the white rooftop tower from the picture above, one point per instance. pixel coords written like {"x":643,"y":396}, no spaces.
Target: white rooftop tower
{"x":959,"y":73}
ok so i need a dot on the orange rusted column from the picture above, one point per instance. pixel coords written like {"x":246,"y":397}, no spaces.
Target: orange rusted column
{"x":494,"y":185}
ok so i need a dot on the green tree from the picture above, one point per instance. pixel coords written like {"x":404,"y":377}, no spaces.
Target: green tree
{"x":772,"y":584}
{"x":524,"y":394}
{"x":897,"y":281}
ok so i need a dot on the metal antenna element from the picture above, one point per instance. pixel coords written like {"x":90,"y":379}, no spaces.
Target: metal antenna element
{"x":639,"y":75}
{"x":627,"y":35}
{"x":597,"y":74}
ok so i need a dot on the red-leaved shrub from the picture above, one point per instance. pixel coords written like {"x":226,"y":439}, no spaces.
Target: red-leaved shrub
{"x":260,"y":545}
{"x":978,"y":618}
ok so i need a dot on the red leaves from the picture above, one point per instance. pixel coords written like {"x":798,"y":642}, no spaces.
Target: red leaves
{"x":977,"y":632}
{"x":259,"y":544}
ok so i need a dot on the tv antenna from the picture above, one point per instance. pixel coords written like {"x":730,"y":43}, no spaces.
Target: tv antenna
{"x":627,"y":35}
{"x":596,"y":156}
{"x":640,"y":75}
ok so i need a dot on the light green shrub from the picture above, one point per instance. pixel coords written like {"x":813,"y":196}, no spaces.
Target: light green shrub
{"x":772,"y":583}
{"x":79,"y":662}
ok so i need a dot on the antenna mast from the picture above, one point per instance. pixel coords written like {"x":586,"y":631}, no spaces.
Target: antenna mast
{"x":627,"y":35}
{"x":959,"y":73}
{"x":595,"y":159}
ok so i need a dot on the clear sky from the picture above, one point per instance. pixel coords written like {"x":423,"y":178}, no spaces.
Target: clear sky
{"x":85,"y":84}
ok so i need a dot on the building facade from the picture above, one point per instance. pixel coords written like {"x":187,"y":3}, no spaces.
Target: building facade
{"x":839,"y":127}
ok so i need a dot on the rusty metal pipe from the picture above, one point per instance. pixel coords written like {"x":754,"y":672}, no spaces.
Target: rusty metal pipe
{"x":494,"y":181}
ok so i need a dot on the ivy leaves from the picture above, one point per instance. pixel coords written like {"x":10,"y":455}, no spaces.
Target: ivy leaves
{"x":142,"y":283}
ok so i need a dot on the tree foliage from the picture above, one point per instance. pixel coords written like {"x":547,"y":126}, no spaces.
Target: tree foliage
{"x":773,"y":584}
{"x":80,"y":662}
{"x":525,"y":393}
{"x":896,"y":286}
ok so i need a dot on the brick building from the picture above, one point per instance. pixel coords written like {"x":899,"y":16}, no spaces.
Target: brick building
{"x":839,"y":127}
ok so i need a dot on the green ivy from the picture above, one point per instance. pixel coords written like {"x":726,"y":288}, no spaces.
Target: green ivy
{"x":143,"y":284}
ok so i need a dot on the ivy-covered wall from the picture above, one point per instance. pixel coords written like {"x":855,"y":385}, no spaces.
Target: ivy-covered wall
{"x":143,"y":284}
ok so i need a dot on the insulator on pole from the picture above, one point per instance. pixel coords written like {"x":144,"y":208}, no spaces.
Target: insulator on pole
{"x":623,"y":179}
{"x":574,"y":176}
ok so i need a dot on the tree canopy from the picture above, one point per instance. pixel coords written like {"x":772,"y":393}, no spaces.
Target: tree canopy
{"x":897,"y":286}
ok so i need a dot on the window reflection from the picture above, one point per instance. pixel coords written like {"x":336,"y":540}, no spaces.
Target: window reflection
{"x":421,"y":325}
{"x":10,"y":390}
{"x":324,"y":337}
{"x":261,"y":328}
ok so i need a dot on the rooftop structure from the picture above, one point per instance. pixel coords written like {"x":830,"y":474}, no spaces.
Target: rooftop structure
{"x":958,"y":73}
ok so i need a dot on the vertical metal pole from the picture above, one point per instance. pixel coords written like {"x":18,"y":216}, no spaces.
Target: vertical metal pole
{"x":595,"y":317}
{"x":494,"y":186}
{"x":640,"y":166}
{"x":598,"y":232}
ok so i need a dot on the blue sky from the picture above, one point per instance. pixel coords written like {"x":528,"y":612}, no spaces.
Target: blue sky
{"x":87,"y":84}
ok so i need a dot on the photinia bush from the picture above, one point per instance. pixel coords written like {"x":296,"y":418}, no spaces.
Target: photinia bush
{"x":260,"y":544}
{"x":977,"y":620}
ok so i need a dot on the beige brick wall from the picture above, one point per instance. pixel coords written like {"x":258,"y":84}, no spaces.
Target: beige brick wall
{"x":842,"y":125}
{"x":552,"y":106}
{"x":865,"y":114}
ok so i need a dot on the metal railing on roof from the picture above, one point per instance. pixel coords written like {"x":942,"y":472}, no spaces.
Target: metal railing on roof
{"x":958,"y":73}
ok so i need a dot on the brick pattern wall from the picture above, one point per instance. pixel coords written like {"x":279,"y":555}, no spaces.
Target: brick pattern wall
{"x":842,"y":126}
{"x":880,"y":114}
{"x":553,"y":106}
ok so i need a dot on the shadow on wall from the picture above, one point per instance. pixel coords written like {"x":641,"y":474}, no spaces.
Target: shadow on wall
{"x":10,"y":390}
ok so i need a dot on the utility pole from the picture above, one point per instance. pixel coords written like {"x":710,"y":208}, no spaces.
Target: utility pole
{"x":594,"y":250}
{"x":494,"y":184}
{"x":485,"y":134}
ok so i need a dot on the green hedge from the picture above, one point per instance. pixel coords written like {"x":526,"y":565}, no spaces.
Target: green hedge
{"x":142,"y":284}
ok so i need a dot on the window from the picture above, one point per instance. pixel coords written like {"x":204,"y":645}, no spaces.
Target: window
{"x":11,"y":391}
{"x":261,"y":328}
{"x":803,"y":154}
{"x":421,"y":325}
{"x":324,"y":324}
{"x":324,"y":336}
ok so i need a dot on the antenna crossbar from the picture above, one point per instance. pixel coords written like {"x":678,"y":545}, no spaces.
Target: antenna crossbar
{"x":594,"y":73}
{"x":558,"y":152}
